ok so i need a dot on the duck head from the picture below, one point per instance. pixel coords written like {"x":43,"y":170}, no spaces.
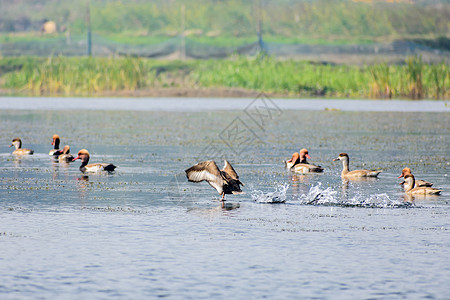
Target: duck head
{"x":83,"y":154}
{"x":342,"y":157}
{"x":294,"y":158}
{"x":304,"y":154}
{"x":16,"y":143}
{"x":410,"y":182}
{"x":405,"y":171}
{"x":66,"y":149}
{"x":56,"y":141}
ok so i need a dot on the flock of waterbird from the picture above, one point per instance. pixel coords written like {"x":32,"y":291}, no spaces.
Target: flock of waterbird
{"x":64,"y":155}
{"x":299,"y":164}
{"x":226,"y":180}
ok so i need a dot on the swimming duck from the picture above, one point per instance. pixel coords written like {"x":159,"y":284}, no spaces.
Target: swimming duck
{"x":19,"y":150}
{"x":407,"y":171}
{"x":412,"y":189}
{"x":225,"y":181}
{"x":83,"y":154}
{"x":66,"y":156}
{"x":55,"y":143}
{"x":299,"y":164}
{"x":356,"y":173}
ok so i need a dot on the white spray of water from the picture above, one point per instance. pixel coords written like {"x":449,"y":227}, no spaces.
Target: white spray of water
{"x":328,"y":196}
{"x":277,"y":196}
{"x":318,"y":196}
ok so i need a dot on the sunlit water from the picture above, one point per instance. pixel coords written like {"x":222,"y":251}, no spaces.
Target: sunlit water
{"x":146,"y":232}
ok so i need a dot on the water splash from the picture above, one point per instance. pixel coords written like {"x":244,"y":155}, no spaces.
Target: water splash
{"x":277,"y":196}
{"x":317,"y":196}
{"x":330,"y":197}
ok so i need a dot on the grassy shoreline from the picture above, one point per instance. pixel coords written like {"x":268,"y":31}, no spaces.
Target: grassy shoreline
{"x":235,"y":77}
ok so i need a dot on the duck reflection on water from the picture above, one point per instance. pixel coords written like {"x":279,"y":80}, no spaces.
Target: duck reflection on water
{"x":82,"y":187}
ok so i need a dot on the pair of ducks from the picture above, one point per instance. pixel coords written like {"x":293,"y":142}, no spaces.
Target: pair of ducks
{"x":65,"y":156}
{"x":416,"y":187}
{"x":299,"y":164}
{"x":62,"y":155}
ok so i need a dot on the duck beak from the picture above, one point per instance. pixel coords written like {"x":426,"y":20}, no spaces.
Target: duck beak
{"x":335,"y":159}
{"x":76,"y":158}
{"x":400,"y":176}
{"x":307,"y":155}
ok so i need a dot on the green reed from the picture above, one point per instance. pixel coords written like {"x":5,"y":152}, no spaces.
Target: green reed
{"x":286,"y":77}
{"x":415,"y":68}
{"x":439,"y":75}
{"x":381,"y":84}
{"x":77,"y":76}
{"x":90,"y":76}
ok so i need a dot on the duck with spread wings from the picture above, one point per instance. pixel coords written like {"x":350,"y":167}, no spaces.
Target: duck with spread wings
{"x":225,"y":181}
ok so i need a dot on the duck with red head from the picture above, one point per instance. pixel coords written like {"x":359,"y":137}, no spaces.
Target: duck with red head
{"x":346,"y":173}
{"x":412,"y":189}
{"x":407,"y":171}
{"x":19,"y":150}
{"x":83,"y":154}
{"x":55,"y":142}
{"x":299,"y":164}
{"x":66,"y":156}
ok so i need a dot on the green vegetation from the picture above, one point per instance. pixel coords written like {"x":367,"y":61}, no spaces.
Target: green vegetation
{"x":319,"y":20}
{"x":94,"y":76}
{"x":72,"y":76}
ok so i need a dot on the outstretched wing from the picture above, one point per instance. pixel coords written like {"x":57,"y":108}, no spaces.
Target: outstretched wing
{"x":208,"y":171}
{"x":231,"y":177}
{"x":228,"y":168}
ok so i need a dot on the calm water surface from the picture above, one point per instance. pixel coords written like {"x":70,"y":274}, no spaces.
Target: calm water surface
{"x":144,"y":232}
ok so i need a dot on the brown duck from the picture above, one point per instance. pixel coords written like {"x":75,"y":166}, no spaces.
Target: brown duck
{"x":356,"y":173}
{"x":19,"y":150}
{"x":66,"y":156}
{"x":225,"y":181}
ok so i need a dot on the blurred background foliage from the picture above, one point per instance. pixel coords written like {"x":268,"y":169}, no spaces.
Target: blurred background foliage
{"x":319,"y":19}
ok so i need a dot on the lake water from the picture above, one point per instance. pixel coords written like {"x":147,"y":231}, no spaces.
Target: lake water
{"x":145,"y":232}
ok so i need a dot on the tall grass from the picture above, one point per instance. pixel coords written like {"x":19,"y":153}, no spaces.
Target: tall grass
{"x":414,"y":80}
{"x":90,"y":76}
{"x":439,"y":75}
{"x":381,"y":84}
{"x":78,"y":76}
{"x":415,"y":68}
{"x":287,"y":77}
